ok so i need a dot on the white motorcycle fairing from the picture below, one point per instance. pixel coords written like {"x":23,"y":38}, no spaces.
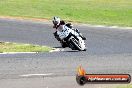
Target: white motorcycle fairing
{"x":65,"y":31}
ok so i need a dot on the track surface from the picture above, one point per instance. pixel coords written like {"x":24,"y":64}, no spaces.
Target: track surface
{"x":108,"y":51}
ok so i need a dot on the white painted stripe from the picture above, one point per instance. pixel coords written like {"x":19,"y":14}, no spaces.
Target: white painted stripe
{"x":17,"y":52}
{"x":105,"y":26}
{"x":29,"y":75}
{"x":56,"y":50}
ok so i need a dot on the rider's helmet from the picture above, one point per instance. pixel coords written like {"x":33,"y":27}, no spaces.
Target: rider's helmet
{"x":56,"y":20}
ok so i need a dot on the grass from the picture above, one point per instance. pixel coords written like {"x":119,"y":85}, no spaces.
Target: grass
{"x":125,"y":86}
{"x":18,"y":47}
{"x":106,"y":12}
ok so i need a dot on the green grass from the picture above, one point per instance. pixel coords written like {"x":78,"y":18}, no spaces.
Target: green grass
{"x":125,"y":86}
{"x":106,"y":12}
{"x":18,"y":47}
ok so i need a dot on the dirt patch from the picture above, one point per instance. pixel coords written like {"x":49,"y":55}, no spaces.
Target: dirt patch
{"x":25,"y":18}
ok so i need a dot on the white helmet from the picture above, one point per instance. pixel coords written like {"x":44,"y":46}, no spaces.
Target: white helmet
{"x":56,"y":20}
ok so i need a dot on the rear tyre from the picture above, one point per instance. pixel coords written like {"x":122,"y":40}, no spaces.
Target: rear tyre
{"x":64,"y":44}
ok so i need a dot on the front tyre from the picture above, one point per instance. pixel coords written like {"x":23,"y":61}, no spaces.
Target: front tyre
{"x":76,"y":44}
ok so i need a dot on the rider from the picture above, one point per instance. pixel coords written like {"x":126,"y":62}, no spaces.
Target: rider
{"x":58,"y":26}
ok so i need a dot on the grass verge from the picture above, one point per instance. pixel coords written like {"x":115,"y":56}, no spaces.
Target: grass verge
{"x":18,"y":47}
{"x":104,"y":12}
{"x":125,"y":86}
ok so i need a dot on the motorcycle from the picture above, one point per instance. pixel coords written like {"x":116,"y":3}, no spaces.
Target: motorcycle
{"x":70,"y":38}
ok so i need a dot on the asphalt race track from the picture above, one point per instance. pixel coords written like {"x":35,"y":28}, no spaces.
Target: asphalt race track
{"x":109,"y":50}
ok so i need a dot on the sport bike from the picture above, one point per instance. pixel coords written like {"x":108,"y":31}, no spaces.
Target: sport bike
{"x":71,"y":38}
